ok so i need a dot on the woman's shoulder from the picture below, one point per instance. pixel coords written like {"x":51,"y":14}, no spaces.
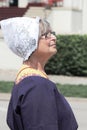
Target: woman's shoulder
{"x":35,"y":80}
{"x":31,"y":82}
{"x":26,"y":71}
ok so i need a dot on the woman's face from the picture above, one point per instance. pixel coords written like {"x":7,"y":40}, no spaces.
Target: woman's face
{"x":47,"y":45}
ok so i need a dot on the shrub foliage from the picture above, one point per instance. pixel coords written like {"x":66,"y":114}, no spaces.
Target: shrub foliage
{"x":71,"y":57}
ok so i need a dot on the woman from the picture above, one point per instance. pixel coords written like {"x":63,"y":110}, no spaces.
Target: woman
{"x":35,"y":104}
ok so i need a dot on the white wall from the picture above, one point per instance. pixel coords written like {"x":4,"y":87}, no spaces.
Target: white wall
{"x":72,"y":18}
{"x":84,"y":23}
{"x":76,"y":21}
{"x":61,"y":21}
{"x":67,"y":3}
{"x":75,"y":4}
{"x":22,"y":3}
{"x":4,"y":3}
{"x":66,"y":21}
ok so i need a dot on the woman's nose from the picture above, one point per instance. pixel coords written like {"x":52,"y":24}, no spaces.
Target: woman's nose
{"x":53,"y":36}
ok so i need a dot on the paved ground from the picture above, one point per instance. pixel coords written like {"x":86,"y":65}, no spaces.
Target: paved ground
{"x":79,"y":106}
{"x":68,"y":79}
{"x":3,"y":112}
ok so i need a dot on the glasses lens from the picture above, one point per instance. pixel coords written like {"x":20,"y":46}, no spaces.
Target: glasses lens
{"x":53,"y":33}
{"x":48,"y":34}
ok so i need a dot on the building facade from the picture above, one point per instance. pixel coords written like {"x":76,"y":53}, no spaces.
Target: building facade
{"x":68,"y":17}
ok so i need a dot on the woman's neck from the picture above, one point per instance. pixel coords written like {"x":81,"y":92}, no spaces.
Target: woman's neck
{"x":35,"y":63}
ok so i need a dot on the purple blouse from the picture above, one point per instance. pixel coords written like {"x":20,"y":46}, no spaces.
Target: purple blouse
{"x":36,"y":104}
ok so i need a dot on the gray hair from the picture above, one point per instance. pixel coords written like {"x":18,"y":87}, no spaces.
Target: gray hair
{"x":44,"y":26}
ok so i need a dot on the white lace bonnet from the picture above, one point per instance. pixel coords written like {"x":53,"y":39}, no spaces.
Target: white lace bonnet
{"x":21,"y":34}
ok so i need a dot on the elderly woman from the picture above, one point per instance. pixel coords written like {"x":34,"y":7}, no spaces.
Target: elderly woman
{"x":35,"y":104}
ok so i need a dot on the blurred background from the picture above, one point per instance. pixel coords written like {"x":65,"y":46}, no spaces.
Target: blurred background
{"x":65,"y":17}
{"x":68,"y":68}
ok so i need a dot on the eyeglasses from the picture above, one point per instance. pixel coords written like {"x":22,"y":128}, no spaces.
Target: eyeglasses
{"x":48,"y":34}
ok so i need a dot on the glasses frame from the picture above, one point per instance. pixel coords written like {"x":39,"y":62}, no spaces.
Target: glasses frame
{"x":46,"y":34}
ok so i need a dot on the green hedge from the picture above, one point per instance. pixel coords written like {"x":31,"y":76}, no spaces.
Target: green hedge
{"x":71,"y":58}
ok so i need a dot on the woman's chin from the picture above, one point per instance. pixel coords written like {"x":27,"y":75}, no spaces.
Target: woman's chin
{"x":54,"y":51}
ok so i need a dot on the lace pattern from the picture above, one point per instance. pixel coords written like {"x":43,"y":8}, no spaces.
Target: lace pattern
{"x":21,"y":35}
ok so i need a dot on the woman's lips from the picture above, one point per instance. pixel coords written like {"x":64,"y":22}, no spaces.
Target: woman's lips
{"x":54,"y":45}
